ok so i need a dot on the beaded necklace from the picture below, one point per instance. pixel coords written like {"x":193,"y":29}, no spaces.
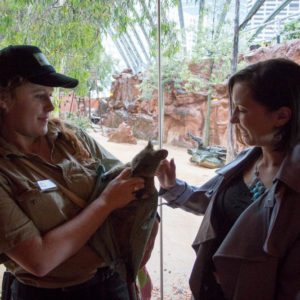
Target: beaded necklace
{"x":257,"y":187}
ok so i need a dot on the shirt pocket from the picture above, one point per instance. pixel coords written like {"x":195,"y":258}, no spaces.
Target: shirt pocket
{"x":46,"y":209}
{"x":79,"y":179}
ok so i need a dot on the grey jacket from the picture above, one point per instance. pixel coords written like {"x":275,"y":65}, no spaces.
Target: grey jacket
{"x":260,"y":257}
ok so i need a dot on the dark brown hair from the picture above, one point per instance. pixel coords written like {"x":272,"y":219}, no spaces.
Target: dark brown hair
{"x":274,"y":83}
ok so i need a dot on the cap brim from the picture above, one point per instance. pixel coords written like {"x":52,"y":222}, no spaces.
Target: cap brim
{"x":55,"y":80}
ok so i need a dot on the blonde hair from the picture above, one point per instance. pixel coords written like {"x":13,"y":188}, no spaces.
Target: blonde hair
{"x":9,"y":88}
{"x":80,"y":152}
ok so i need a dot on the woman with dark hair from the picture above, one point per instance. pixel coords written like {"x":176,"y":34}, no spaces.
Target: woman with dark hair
{"x":248,"y":244}
{"x":44,"y":233}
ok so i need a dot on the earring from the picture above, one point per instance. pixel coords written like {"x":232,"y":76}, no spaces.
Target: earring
{"x":3,"y":105}
{"x":277,"y":138}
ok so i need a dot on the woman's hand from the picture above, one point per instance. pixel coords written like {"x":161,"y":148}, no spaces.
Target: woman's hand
{"x":72,"y":235}
{"x":121,"y":190}
{"x":166,"y":174}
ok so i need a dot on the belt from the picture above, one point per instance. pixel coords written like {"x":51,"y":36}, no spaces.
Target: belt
{"x":102,"y":275}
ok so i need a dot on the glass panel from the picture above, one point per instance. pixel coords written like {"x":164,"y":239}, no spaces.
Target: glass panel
{"x":119,"y":91}
{"x":186,"y":81}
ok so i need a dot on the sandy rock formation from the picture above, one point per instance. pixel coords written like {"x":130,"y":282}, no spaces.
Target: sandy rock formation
{"x":289,"y":49}
{"x":125,"y":90}
{"x":123,"y":134}
{"x":185,"y":112}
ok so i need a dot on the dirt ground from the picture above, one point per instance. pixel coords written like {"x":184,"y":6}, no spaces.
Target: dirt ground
{"x":178,"y":227}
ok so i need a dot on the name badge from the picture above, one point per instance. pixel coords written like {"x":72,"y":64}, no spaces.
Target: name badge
{"x":46,"y":185}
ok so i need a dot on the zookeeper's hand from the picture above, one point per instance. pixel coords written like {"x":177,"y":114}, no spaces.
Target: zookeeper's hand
{"x":121,"y":190}
{"x":166,"y":174}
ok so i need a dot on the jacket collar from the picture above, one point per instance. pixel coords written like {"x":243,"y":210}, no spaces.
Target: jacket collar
{"x":243,"y":158}
{"x":286,"y":173}
{"x":290,"y":169}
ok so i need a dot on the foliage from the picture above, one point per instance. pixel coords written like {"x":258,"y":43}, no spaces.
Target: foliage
{"x":55,"y":102}
{"x":171,"y":74}
{"x":291,"y":30}
{"x":100,"y":72}
{"x":170,"y":44}
{"x":71,"y":32}
{"x":79,"y":121}
{"x":219,"y":67}
{"x":147,"y":17}
{"x":193,"y":83}
{"x":209,"y":45}
{"x":218,"y":50}
{"x":175,"y":74}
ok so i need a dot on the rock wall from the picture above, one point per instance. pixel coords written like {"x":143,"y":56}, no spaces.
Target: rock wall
{"x":289,"y":49}
{"x":184,"y":112}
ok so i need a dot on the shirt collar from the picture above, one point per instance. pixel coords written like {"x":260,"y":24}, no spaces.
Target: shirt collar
{"x":8,"y":149}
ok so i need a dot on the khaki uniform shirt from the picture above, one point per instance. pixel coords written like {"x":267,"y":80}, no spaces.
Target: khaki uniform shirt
{"x":26,"y":212}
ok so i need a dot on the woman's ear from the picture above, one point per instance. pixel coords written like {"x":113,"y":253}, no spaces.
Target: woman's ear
{"x":283,"y":115}
{"x":3,"y":105}
{"x":5,"y":101}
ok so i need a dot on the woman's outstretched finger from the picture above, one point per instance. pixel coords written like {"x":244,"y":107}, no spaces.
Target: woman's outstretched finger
{"x":125,"y":174}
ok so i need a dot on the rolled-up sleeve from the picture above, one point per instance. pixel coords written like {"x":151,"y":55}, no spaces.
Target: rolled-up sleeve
{"x":15,"y":226}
